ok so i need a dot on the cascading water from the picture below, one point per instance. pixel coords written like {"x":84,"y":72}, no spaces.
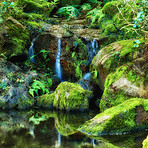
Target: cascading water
{"x":58,"y":64}
{"x":87,"y":76}
{"x":31,"y":51}
{"x":92,"y":49}
{"x":94,"y":46}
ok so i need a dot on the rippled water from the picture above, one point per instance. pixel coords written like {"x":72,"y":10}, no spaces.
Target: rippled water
{"x":50,"y":129}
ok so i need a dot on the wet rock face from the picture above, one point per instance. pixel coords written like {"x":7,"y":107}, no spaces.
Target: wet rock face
{"x":14,"y":86}
{"x":121,"y":72}
{"x":73,"y":52}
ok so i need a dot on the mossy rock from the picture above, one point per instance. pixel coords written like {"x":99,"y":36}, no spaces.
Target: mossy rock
{"x":46,"y":101}
{"x":115,"y":55}
{"x":145,"y":143}
{"x":110,"y":28}
{"x":110,"y":8}
{"x":16,"y":39}
{"x":25,"y":103}
{"x":120,"y":119}
{"x":70,"y":96}
{"x":39,"y":6}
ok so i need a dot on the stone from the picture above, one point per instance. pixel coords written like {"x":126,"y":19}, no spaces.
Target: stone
{"x":119,"y":119}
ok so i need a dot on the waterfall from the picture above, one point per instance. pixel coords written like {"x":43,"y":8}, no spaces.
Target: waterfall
{"x":31,"y":51}
{"x":94,"y":46}
{"x":87,"y":76}
{"x":92,"y":49}
{"x":58,"y":142}
{"x":58,"y":64}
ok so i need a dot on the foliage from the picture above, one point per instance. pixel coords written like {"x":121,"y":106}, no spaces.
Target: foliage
{"x":132,"y":18}
{"x":41,"y":6}
{"x":3,"y":55}
{"x":85,"y":7}
{"x":45,"y":54}
{"x":110,"y":9}
{"x":3,"y":85}
{"x":36,"y":119}
{"x":145,"y":143}
{"x":68,"y":12}
{"x":40,"y":87}
{"x":6,"y":8}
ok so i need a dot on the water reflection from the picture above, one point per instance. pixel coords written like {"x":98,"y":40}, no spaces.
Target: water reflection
{"x":55,"y":129}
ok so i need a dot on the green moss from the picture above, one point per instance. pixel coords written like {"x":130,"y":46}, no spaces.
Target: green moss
{"x":110,"y":28}
{"x":33,"y":24}
{"x":110,"y":8}
{"x":67,"y":124}
{"x":70,"y":96}
{"x":24,"y":103}
{"x":118,"y":119}
{"x":111,"y":96}
{"x":145,"y":143}
{"x":145,"y":105}
{"x":17,"y":38}
{"x":46,"y":101}
{"x":125,"y":53}
{"x":39,"y":6}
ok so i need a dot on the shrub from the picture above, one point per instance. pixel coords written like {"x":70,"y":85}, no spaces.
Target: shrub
{"x":110,"y":8}
{"x":68,"y":12}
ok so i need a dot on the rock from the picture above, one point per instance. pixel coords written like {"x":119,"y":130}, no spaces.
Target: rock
{"x":14,"y":86}
{"x":120,"y":119}
{"x":67,"y":96}
{"x":73,"y":53}
{"x":121,"y":72}
{"x":145,"y":143}
{"x":110,"y":8}
{"x":46,"y":101}
{"x":70,"y":96}
{"x":14,"y":40}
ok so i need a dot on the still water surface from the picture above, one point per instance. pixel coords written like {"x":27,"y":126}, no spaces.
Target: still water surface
{"x":53,"y":129}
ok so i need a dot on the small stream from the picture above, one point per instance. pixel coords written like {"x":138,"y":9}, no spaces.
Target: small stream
{"x":50,"y":129}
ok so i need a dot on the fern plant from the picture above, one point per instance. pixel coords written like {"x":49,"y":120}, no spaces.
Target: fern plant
{"x":68,"y":12}
{"x":40,"y":87}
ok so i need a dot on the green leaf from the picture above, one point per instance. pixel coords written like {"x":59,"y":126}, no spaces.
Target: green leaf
{"x":31,"y":91}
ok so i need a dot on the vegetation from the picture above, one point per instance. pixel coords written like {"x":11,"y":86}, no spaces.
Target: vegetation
{"x":119,"y":69}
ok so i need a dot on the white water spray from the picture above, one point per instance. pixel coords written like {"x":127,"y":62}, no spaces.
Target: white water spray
{"x":87,"y":76}
{"x":58,"y":63}
{"x":31,"y":51}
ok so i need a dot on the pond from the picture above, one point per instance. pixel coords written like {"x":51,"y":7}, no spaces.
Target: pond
{"x":50,"y":129}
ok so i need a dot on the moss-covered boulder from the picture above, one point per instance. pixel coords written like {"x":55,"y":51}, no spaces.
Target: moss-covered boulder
{"x":110,"y":8}
{"x":46,"y":101}
{"x":14,"y":87}
{"x":129,"y":116}
{"x":121,"y":72}
{"x":70,"y":96}
{"x":15,"y":39}
{"x":40,"y":6}
{"x":116,"y":54}
{"x":145,"y":143}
